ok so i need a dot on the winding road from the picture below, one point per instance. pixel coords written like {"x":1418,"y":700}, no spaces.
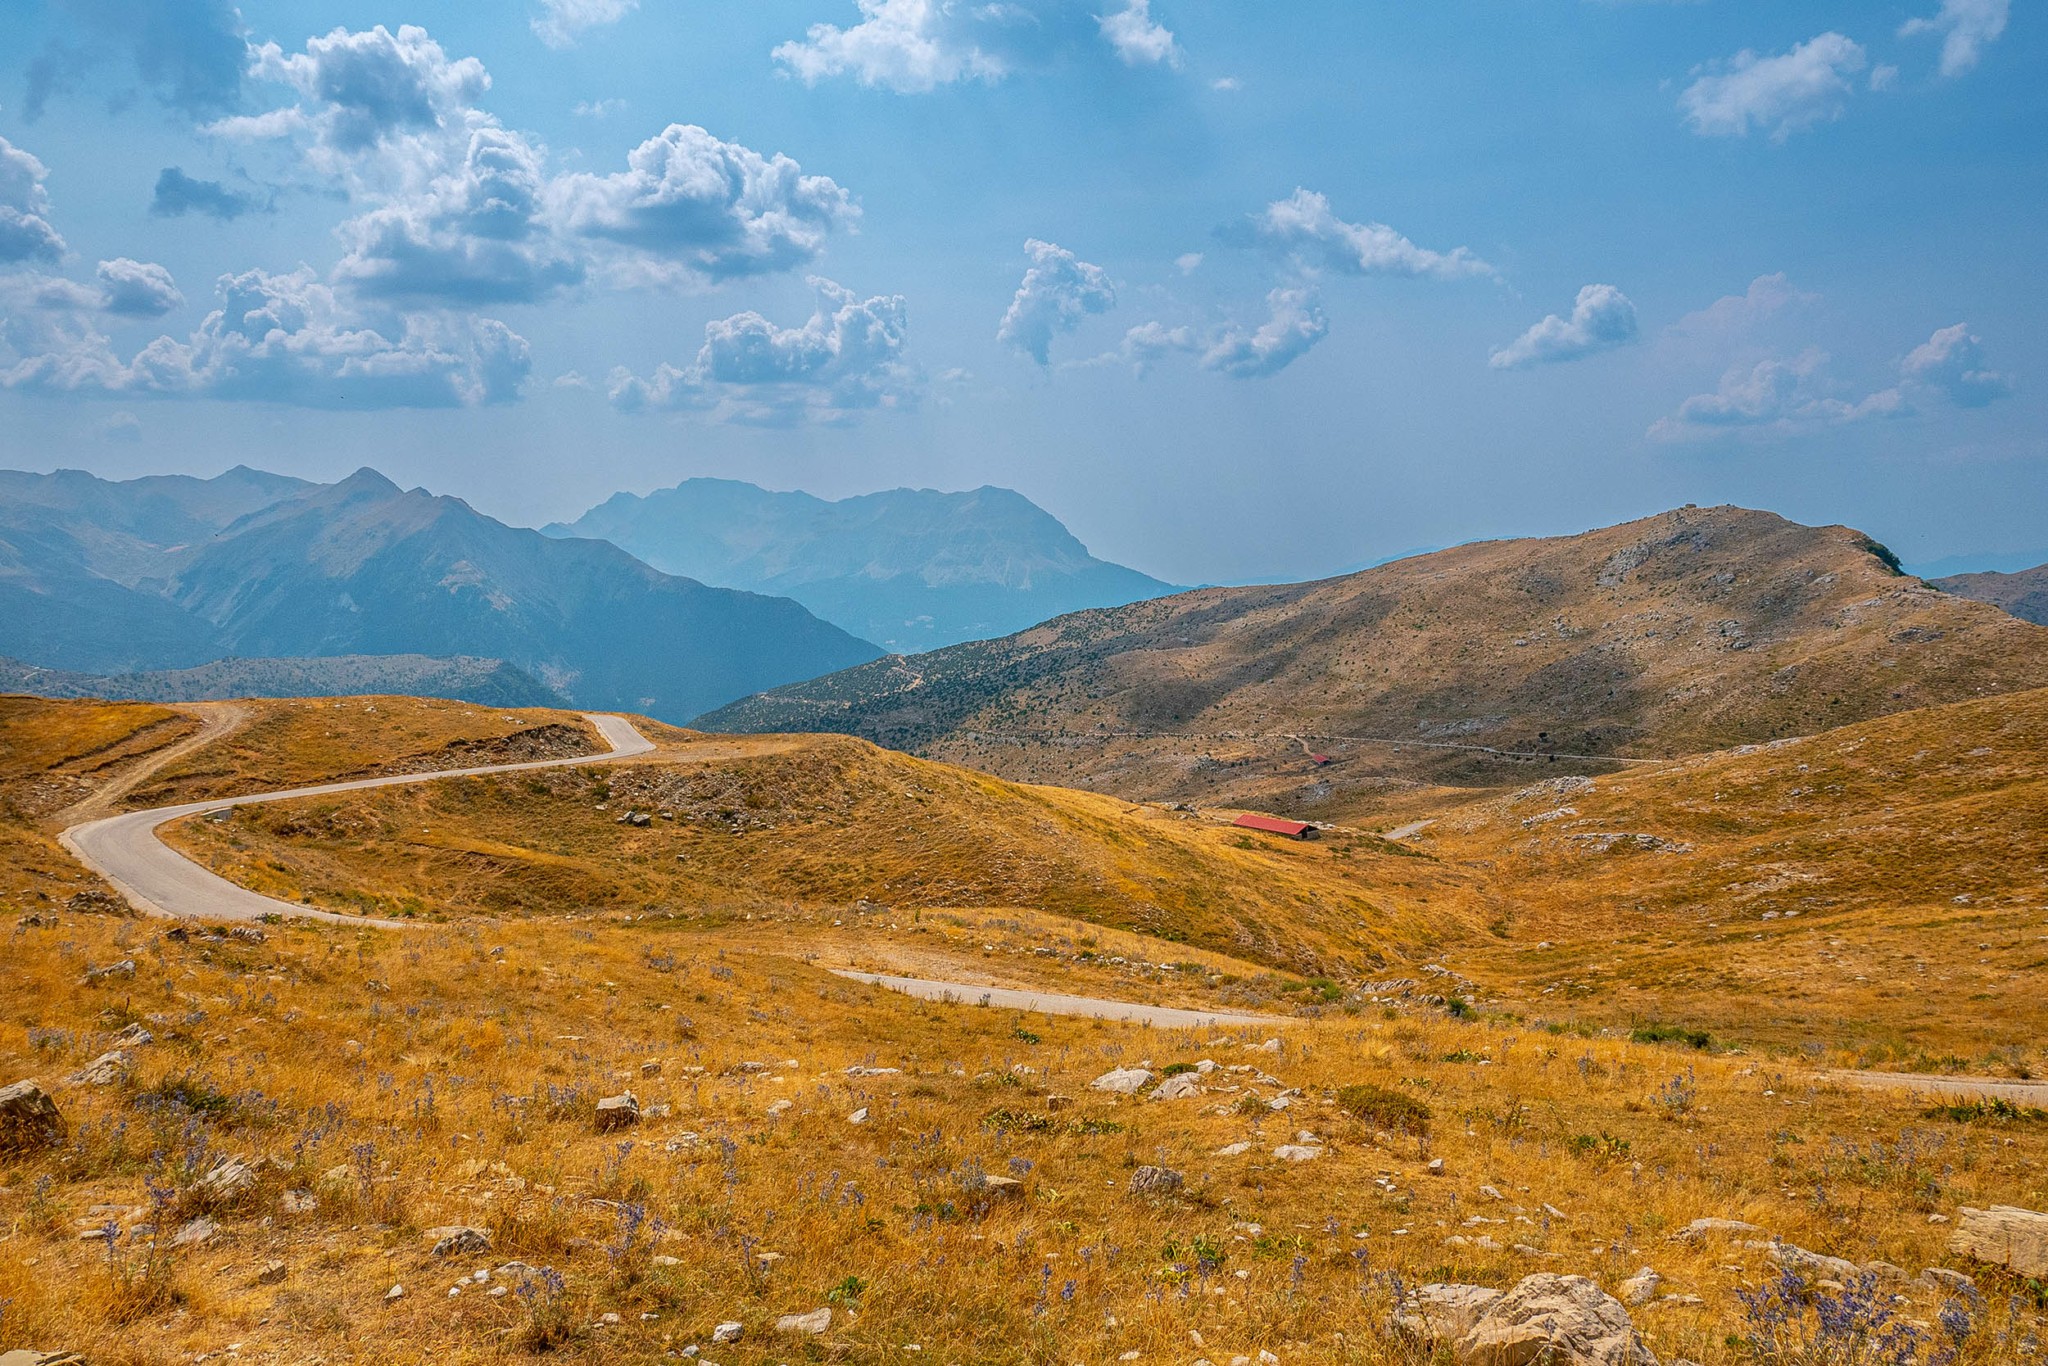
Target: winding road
{"x":1053,"y":1003}
{"x":159,"y":881}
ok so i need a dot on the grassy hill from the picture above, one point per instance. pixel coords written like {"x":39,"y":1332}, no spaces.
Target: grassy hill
{"x":807,"y":1143}
{"x":1690,"y":631}
{"x":2024,"y":594}
{"x":488,"y":682}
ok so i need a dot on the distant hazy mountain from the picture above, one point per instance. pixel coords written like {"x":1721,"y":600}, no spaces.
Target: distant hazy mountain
{"x":2024,"y":594}
{"x":910,"y":569}
{"x":162,"y":574}
{"x":491,"y":682}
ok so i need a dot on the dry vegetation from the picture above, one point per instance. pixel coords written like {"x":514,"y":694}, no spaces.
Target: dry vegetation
{"x":386,"y":1084}
{"x":380,"y":1082}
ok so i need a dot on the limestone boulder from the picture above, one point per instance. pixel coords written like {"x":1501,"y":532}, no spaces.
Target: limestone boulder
{"x":2016,"y":1239}
{"x":1556,"y":1321}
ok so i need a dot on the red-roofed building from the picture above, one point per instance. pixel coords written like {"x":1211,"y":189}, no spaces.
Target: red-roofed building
{"x":1273,"y":825}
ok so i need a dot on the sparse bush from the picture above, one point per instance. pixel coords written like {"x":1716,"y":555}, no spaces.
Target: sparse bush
{"x":1668,"y":1033}
{"x":1996,"y":1109}
{"x":1387,"y":1109}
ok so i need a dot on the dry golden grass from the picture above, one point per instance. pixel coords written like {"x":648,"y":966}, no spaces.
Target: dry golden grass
{"x":1882,"y":888}
{"x":813,"y":827}
{"x":446,"y":1076}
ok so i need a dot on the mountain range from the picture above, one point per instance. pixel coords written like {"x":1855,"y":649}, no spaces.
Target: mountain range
{"x":1692,"y":630}
{"x":909,"y":569}
{"x":2024,"y":594}
{"x":491,"y":682}
{"x":161,"y":574}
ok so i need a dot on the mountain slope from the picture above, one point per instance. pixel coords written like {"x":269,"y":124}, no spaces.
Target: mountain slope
{"x":2024,"y":594}
{"x":363,"y":568}
{"x":911,"y":569}
{"x":490,"y":682}
{"x":1687,"y":631}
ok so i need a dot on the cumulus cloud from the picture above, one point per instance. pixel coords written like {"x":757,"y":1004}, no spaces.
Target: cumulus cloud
{"x":1735,"y":315}
{"x":178,"y":194}
{"x":25,"y":231}
{"x":1779,"y":398}
{"x":1781,"y":93}
{"x":189,"y":53}
{"x":1137,"y":38}
{"x":1602,"y":318}
{"x":1965,"y":27}
{"x":913,"y":46}
{"x":846,"y":359}
{"x":561,"y":22}
{"x":1951,"y":364}
{"x":365,"y":90}
{"x":280,"y":339}
{"x":1297,"y":324}
{"x":137,"y":289}
{"x":1304,"y":227}
{"x":1058,"y":290}
{"x":713,"y":209}
{"x":473,"y":235}
{"x":1775,"y":397}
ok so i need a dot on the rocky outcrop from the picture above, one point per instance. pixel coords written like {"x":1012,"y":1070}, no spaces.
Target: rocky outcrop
{"x":29,"y":1119}
{"x":1549,"y":1319}
{"x":2016,"y":1239}
{"x":1156,"y":1181}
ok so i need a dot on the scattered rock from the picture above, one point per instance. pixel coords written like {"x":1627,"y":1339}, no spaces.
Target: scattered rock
{"x":859,"y":1116}
{"x":195,"y":1233}
{"x":125,"y":969}
{"x":650,"y":1069}
{"x":1182,"y":1086}
{"x":1566,"y":1320}
{"x":1003,"y":1187}
{"x":1436,"y":1166}
{"x":1156,"y":1181}
{"x":618,"y":1112}
{"x":1947,"y":1282}
{"x":1297,"y":1152}
{"x":108,"y":1069}
{"x":1124,"y":1081}
{"x":297,"y":1202}
{"x":1440,"y":1313}
{"x":229,"y":1180}
{"x":728,"y":1332}
{"x":1699,"y":1229}
{"x":24,"y":1357}
{"x":1639,"y":1289}
{"x":29,"y":1119}
{"x":1233,"y":1150}
{"x":273,"y":1273}
{"x":1812,"y":1264}
{"x":453,"y":1239}
{"x":396,"y":1292}
{"x":2016,"y":1239}
{"x":1490,"y":1193}
{"x":815,"y":1322}
{"x":781,"y":1106}
{"x":1053,"y":1104}
{"x":134,"y":1036}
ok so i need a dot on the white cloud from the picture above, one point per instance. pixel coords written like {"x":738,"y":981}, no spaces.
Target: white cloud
{"x":1137,"y":38}
{"x":1951,"y":364}
{"x":1774,"y":397}
{"x":906,"y":45}
{"x":370,"y":89}
{"x":138,"y":289}
{"x":847,"y":358}
{"x":1782,"y":398}
{"x":562,"y":22}
{"x":281,"y":339}
{"x":710,"y":209}
{"x":912,"y":46}
{"x":1296,"y":325}
{"x":1781,"y":93}
{"x":1734,"y":316}
{"x":474,"y":235}
{"x":1226,"y":84}
{"x":1305,"y":228}
{"x":598,"y":109}
{"x":1057,"y":291}
{"x":1189,"y":262}
{"x":1602,"y":318}
{"x":1966,"y":28}
{"x":189,"y":53}
{"x":25,"y":231}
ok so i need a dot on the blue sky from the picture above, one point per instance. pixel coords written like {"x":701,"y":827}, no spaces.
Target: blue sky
{"x":1235,"y":289}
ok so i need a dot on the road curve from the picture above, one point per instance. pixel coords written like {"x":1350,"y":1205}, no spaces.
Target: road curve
{"x":159,"y":881}
{"x":1052,"y":1003}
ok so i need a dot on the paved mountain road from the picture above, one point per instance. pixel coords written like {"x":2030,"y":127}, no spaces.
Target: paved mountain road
{"x":157,"y":880}
{"x":1053,"y":1003}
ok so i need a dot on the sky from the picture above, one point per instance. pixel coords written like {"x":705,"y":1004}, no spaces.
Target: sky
{"x":1236,"y":289}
